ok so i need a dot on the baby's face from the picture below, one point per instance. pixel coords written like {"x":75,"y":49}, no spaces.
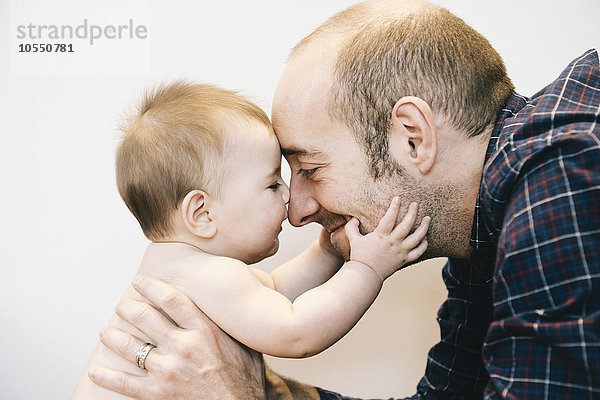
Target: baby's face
{"x":254,"y":196}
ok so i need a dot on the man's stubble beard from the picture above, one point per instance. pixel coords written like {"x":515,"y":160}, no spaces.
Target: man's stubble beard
{"x":372,"y":198}
{"x":449,"y":230}
{"x":450,"y":227}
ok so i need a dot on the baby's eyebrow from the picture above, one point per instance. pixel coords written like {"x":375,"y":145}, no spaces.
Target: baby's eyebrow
{"x":276,"y":171}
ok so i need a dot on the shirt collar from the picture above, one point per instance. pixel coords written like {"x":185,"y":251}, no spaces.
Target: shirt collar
{"x":482,"y":238}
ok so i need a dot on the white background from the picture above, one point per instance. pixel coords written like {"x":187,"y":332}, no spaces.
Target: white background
{"x":69,"y":247}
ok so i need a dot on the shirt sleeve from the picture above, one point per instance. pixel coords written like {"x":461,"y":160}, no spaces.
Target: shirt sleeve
{"x":544,"y":341}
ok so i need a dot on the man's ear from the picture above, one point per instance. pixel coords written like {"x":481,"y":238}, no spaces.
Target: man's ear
{"x":413,"y":132}
{"x":196,"y":214}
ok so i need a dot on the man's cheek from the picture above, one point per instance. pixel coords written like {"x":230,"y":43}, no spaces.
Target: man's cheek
{"x":366,"y":227}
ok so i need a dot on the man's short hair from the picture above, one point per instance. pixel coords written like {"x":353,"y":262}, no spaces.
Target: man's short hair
{"x":425,"y":52}
{"x":174,"y":144}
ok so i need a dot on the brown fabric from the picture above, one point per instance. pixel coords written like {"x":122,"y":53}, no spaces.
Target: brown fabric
{"x":282,"y":388}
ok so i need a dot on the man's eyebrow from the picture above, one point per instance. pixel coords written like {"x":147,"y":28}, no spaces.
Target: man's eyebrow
{"x":295,"y":151}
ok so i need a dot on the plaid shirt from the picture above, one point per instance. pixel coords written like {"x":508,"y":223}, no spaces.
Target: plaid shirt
{"x":522,"y":319}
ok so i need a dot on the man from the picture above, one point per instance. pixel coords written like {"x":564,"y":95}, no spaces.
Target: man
{"x":402,"y":98}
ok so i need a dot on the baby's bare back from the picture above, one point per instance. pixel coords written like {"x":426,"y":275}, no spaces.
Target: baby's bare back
{"x":104,"y":357}
{"x":171,"y":264}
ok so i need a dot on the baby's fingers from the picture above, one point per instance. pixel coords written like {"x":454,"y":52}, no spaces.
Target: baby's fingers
{"x":351,"y":229}
{"x":417,"y":251}
{"x":407,"y":222}
{"x":387,"y":222}
{"x":419,"y":234}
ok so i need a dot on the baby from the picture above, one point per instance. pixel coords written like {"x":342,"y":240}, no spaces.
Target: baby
{"x":200,"y":169}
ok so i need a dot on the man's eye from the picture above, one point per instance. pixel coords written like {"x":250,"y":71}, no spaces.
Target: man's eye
{"x":306,"y":172}
{"x":275,"y":186}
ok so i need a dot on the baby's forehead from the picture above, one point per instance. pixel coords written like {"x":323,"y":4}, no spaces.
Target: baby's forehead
{"x":245,"y":130}
{"x":252,"y":154}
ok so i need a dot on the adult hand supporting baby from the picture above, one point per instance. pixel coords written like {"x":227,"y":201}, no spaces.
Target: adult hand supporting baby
{"x":194,"y":359}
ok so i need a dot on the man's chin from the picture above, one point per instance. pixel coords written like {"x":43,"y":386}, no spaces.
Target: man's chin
{"x":339,"y":240}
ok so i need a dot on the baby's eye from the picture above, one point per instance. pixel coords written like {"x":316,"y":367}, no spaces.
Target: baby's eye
{"x":306,"y":173}
{"x":276,"y":185}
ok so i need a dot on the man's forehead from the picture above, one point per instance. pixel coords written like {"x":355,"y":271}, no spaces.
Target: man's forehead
{"x":314,"y":139}
{"x":302,"y":91}
{"x":304,"y":138}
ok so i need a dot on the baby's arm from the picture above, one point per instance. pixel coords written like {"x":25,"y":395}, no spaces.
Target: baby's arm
{"x":311,"y":268}
{"x":268,"y":322}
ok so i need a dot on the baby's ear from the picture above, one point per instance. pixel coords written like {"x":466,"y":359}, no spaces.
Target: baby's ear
{"x":195,"y":212}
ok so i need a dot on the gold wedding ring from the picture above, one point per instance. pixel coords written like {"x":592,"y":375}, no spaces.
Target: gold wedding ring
{"x":142,"y":353}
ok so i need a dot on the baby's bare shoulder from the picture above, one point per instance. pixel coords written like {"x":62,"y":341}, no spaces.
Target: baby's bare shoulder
{"x":203,"y":270}
{"x":207,"y":262}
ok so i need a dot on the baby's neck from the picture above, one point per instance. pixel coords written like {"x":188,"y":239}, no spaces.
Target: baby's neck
{"x":164,"y":259}
{"x":179,"y":245}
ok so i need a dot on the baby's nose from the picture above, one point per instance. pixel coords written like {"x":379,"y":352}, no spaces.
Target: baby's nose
{"x":286,"y":194}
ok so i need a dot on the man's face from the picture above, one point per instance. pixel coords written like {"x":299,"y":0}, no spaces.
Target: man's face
{"x":330,"y":181}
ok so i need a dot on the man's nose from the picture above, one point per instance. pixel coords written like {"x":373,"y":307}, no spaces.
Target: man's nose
{"x":302,"y":208}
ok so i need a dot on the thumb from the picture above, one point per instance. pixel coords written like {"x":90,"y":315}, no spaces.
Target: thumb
{"x":351,"y":229}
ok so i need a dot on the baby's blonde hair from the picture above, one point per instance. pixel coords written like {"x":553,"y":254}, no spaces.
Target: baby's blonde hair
{"x":174,"y":144}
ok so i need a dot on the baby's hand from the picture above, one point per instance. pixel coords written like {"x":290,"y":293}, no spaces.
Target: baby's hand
{"x":387,"y":249}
